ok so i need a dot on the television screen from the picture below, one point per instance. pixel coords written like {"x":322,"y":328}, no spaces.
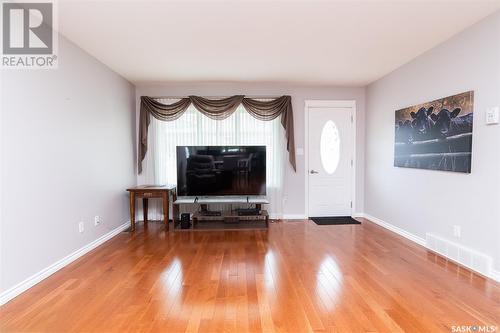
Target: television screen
{"x":221,"y":170}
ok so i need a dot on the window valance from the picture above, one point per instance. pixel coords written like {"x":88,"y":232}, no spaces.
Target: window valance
{"x":217,"y":109}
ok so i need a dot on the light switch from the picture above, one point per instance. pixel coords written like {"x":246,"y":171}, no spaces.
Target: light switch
{"x":492,"y":115}
{"x":299,"y":151}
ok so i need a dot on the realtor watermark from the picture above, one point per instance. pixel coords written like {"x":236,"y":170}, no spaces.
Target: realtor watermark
{"x":29,"y":37}
{"x":474,"y":328}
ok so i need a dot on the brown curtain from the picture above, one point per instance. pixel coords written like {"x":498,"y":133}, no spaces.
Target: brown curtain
{"x":217,"y":109}
{"x":270,"y":110}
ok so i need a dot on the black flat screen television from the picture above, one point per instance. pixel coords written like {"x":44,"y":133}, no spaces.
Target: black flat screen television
{"x":221,"y":170}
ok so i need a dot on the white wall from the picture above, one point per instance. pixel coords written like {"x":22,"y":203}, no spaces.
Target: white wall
{"x":421,"y":201}
{"x":294,"y":182}
{"x":67,"y":141}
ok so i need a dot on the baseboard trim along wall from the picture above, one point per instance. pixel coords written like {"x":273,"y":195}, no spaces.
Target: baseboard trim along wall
{"x":393,"y":228}
{"x":48,"y":271}
{"x":492,"y":274}
{"x":294,"y":217}
{"x":495,"y":275}
{"x":287,"y":217}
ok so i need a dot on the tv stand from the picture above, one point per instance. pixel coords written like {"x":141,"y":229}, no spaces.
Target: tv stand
{"x":222,"y":200}
{"x":230,"y":215}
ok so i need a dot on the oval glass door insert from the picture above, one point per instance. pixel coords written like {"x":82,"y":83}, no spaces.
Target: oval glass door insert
{"x":330,"y":147}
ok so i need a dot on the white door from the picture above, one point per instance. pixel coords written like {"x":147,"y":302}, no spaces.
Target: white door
{"x":330,"y":158}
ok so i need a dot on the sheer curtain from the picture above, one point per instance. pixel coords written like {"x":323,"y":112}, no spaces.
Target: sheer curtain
{"x":194,"y":128}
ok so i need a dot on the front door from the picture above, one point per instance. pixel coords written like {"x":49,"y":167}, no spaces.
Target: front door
{"x":330,"y":158}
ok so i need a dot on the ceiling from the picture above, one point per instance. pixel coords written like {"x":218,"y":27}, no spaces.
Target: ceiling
{"x":350,"y":43}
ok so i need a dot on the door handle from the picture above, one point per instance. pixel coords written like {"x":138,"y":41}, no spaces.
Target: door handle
{"x":312,"y":172}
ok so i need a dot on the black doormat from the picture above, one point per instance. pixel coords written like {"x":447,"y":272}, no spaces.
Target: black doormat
{"x":332,"y":220}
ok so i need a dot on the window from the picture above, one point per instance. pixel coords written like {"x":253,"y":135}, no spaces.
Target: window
{"x":194,"y":128}
{"x":330,"y":147}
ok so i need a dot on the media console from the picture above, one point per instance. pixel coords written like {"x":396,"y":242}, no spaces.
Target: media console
{"x":228,"y":215}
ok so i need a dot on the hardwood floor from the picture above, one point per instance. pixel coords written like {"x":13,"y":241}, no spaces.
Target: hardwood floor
{"x":294,"y":277}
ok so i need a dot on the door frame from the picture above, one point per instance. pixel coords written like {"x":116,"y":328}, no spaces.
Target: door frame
{"x":309,"y":106}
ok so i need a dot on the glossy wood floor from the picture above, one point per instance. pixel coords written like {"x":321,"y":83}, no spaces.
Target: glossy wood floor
{"x":294,"y":277}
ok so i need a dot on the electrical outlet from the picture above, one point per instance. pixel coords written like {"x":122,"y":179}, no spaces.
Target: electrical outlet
{"x":80,"y":227}
{"x":493,"y":115}
{"x":457,"y":231}
{"x":97,"y":220}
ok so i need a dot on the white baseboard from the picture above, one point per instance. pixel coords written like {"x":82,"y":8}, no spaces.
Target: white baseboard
{"x":294,"y":217}
{"x":46,"y":272}
{"x":494,"y":275}
{"x":393,"y":228}
{"x":300,"y":216}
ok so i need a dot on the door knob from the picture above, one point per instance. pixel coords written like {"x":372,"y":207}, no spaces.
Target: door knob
{"x":313,"y":172}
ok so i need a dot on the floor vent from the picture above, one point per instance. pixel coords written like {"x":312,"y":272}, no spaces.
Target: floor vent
{"x":465,"y":256}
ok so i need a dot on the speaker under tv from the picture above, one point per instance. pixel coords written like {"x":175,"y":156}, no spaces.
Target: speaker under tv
{"x":185,"y":221}
{"x":221,"y":171}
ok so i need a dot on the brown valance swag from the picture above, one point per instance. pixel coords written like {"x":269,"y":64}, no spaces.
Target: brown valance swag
{"x":217,"y":109}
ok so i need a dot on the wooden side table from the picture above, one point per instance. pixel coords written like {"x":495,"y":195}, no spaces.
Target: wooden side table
{"x":150,"y":191}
